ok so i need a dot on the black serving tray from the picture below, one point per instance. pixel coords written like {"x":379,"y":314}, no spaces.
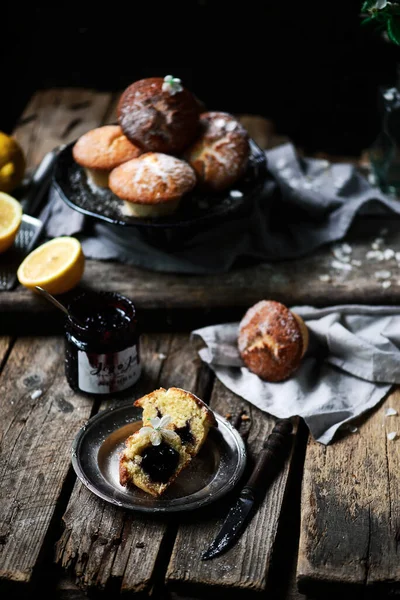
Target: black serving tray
{"x":197,"y":209}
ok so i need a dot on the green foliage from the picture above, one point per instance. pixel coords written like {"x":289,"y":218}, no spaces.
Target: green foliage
{"x":385,"y":16}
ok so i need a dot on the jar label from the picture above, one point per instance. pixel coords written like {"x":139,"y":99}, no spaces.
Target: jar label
{"x":107,"y":373}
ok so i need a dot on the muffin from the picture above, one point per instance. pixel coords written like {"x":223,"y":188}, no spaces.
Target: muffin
{"x":102,"y":149}
{"x":159,"y":115}
{"x":220,"y":154}
{"x":191,"y":416}
{"x":176,"y":424}
{"x":272,"y":340}
{"x":152,"y":466}
{"x":152,"y":185}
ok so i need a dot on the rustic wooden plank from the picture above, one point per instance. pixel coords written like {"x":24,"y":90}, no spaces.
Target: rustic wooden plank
{"x":66,"y":589}
{"x":244,"y":569}
{"x":262,"y":131}
{"x":350,"y":511}
{"x":40,"y":416}
{"x":107,"y":548}
{"x":98,"y":540}
{"x":111,"y":116}
{"x":5,"y":345}
{"x":228,"y":295}
{"x":58,"y":116}
{"x":282,"y":582}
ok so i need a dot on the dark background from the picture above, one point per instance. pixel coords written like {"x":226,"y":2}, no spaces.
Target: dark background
{"x":309,"y":66}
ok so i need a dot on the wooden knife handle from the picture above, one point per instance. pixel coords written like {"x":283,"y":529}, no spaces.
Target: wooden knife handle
{"x":271,"y":455}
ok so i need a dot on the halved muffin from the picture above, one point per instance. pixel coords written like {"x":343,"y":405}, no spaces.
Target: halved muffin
{"x":151,"y":462}
{"x":191,"y":416}
{"x":175,"y":426}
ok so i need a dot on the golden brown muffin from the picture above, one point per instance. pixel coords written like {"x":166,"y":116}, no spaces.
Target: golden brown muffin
{"x":152,"y":185}
{"x":221,"y":153}
{"x":190,"y":415}
{"x":101,"y":150}
{"x":175,"y":426}
{"x":272,"y":340}
{"x":159,"y":115}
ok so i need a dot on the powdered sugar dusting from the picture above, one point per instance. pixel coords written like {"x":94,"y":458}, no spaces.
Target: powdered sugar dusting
{"x":386,"y":258}
{"x":220,"y":155}
{"x":265,"y":315}
{"x":152,"y":178}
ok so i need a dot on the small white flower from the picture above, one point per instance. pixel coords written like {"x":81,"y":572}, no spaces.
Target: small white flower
{"x":380,"y":4}
{"x":157,"y":430}
{"x":172,"y":85}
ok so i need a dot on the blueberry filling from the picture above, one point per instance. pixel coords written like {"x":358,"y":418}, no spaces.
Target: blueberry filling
{"x":185,"y":434}
{"x":160,"y":462}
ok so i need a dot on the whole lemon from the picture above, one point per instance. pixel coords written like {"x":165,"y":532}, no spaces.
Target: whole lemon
{"x":12,"y":163}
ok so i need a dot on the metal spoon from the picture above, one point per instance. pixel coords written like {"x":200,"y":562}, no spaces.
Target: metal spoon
{"x":58,"y":304}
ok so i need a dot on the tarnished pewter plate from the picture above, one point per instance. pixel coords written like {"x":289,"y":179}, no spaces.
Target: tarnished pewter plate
{"x":212,"y":473}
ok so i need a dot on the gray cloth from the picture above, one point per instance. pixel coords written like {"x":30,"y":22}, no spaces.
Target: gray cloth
{"x":351,"y":364}
{"x":304,"y":204}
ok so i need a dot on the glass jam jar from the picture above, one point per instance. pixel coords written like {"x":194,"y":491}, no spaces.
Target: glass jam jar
{"x":101,"y":343}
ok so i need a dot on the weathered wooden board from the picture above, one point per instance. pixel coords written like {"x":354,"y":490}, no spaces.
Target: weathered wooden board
{"x":58,"y":116}
{"x":110,"y":549}
{"x":244,"y":569}
{"x":5,"y":345}
{"x":36,"y":435}
{"x":311,"y":280}
{"x":98,"y":544}
{"x":351,"y":513}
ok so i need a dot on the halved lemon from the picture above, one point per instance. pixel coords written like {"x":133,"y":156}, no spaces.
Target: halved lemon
{"x":57,"y":266}
{"x":10,"y":220}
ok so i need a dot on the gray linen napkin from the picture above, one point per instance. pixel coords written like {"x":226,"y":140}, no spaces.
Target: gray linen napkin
{"x":352,"y":362}
{"x":305,"y":203}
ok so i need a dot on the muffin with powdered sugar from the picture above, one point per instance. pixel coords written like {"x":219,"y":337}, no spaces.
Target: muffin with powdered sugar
{"x":152,"y":185}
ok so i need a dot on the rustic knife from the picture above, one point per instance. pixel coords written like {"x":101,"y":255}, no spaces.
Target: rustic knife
{"x":269,"y":461}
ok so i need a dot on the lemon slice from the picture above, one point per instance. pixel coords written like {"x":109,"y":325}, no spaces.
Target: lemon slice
{"x":10,"y":220}
{"x":57,"y":266}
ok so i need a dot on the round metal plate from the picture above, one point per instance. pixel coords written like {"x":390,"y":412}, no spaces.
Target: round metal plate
{"x":195,"y":209}
{"x":211,"y":474}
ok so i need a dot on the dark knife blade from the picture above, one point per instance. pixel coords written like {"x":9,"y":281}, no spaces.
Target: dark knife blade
{"x":40,"y":182}
{"x":271,"y":456}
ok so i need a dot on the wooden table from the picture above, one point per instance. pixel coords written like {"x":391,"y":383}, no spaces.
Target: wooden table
{"x":330,"y":523}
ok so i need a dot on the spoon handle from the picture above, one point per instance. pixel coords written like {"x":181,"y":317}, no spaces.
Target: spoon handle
{"x":52,"y":299}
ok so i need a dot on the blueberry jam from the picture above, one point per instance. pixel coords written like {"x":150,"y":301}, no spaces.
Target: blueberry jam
{"x":160,"y":462}
{"x":105,"y":319}
{"x":101,"y":343}
{"x":185,"y":434}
